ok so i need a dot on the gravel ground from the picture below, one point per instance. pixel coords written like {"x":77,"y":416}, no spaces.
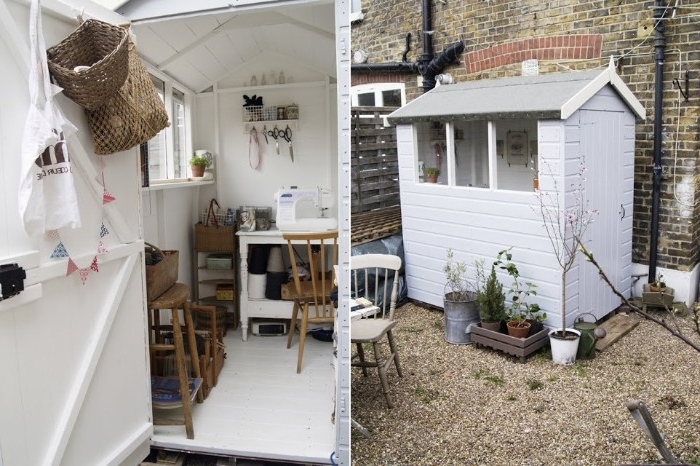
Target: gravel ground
{"x":458,"y":405}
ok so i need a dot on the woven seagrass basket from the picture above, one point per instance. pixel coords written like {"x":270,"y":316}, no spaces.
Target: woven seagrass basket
{"x":100,"y":46}
{"x":132,"y":116}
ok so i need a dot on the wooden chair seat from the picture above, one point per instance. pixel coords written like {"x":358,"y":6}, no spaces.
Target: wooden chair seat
{"x":370,"y":330}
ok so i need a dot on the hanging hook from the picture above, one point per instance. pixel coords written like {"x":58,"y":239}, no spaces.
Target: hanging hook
{"x":687,"y":85}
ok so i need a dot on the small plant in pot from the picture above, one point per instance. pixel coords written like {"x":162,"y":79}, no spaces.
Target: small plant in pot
{"x":459,"y":302}
{"x":659,"y":284}
{"x":491,"y":300}
{"x":520,"y":309}
{"x":431,"y":173}
{"x":198,"y":164}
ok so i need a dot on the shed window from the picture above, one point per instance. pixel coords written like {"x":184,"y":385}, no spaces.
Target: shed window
{"x":467,"y":152}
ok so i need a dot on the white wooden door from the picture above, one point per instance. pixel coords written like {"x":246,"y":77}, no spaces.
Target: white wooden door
{"x":602,"y":148}
{"x":73,"y":362}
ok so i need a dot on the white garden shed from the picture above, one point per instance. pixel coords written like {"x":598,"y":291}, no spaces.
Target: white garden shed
{"x":74,"y":346}
{"x":491,"y":139}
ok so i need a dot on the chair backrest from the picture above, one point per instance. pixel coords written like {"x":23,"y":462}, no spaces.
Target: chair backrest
{"x":316,"y":245}
{"x":376,"y":277}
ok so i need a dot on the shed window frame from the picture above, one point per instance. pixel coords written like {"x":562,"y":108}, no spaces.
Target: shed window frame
{"x":496,"y":171}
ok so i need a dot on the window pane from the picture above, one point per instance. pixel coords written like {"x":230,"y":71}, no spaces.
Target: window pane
{"x":157,"y":167}
{"x":391,"y":98}
{"x":431,"y":150}
{"x":471,"y":153}
{"x":516,"y":164}
{"x":179,"y":157}
{"x":366,"y":99}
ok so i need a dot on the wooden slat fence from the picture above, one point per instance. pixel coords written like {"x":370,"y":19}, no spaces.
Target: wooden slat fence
{"x":375,"y":167}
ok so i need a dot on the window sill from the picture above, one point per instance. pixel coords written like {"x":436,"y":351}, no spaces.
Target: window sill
{"x":176,"y":184}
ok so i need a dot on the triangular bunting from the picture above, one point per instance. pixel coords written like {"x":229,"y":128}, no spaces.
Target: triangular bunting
{"x":52,"y":235}
{"x":59,"y":252}
{"x":93,"y":266}
{"x":107,"y":198}
{"x":101,"y":249}
{"x":84,"y":275}
{"x":72,"y":267}
{"x":103,"y":231}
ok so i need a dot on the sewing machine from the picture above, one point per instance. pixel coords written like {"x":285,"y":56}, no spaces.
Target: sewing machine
{"x":304,"y":209}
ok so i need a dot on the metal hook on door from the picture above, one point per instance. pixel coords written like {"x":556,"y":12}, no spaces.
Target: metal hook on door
{"x":622,"y":211}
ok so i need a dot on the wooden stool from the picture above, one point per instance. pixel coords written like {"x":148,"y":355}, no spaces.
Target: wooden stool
{"x":175,"y":298}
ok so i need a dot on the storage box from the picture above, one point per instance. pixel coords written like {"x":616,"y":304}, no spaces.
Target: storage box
{"x":163,"y":275}
{"x":224,"y":292}
{"x":262,"y":218}
{"x":219,"y":262}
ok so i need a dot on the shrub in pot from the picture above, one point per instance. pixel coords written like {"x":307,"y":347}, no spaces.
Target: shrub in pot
{"x":520,"y":309}
{"x":491,"y":301}
{"x":198,"y":164}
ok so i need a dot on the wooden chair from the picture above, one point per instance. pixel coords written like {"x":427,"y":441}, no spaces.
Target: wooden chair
{"x":314,"y":293}
{"x":375,"y":277}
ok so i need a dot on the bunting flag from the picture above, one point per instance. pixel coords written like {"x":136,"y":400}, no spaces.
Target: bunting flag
{"x":72,"y":267}
{"x":59,"y":252}
{"x":93,"y":265}
{"x":84,"y":275}
{"x":106,"y":197}
{"x":52,"y":235}
{"x":101,"y":249}
{"x":103,"y":231}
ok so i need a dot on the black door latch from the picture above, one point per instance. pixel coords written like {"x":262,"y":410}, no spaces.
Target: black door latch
{"x":11,"y":280}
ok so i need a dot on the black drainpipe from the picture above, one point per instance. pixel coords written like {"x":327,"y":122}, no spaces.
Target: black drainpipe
{"x":428,"y":66}
{"x":659,"y":46}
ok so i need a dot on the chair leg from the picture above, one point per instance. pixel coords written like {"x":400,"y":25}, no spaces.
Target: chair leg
{"x":361,"y":355}
{"x":292,"y":324}
{"x":381,"y":368}
{"x":395,"y":354}
{"x":302,"y":335}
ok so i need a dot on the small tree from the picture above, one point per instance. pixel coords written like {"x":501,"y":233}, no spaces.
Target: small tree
{"x":564,"y":224}
{"x":456,"y":287}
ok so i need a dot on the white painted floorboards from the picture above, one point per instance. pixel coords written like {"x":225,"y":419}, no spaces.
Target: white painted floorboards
{"x":261,"y":408}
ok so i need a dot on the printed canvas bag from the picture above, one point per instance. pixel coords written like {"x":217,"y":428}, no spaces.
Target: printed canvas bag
{"x":47,"y":197}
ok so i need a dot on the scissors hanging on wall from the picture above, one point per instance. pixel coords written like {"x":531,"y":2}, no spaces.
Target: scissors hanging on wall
{"x":275,"y":133}
{"x":287,"y":136}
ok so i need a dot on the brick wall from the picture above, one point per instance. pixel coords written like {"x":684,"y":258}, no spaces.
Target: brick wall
{"x":537,"y":29}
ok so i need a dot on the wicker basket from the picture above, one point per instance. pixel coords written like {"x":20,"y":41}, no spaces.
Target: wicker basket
{"x":214,"y":239}
{"x":100,"y":46}
{"x":132,"y":116}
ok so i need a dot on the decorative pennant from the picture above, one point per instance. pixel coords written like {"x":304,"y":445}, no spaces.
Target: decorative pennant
{"x":107,"y":198}
{"x":84,"y":275}
{"x":103,"y":231}
{"x":101,"y":249}
{"x":52,"y":235}
{"x":59,"y":252}
{"x":72,"y":267}
{"x":93,"y":266}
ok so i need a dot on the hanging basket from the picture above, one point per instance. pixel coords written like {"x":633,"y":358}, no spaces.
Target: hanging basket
{"x":132,"y":116}
{"x":100,"y":46}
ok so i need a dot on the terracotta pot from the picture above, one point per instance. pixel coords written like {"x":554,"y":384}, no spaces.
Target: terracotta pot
{"x":516,"y":330}
{"x":432,"y":178}
{"x":197,"y":171}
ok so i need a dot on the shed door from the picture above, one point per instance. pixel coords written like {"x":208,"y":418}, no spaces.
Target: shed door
{"x":73,"y":358}
{"x":601,"y":145}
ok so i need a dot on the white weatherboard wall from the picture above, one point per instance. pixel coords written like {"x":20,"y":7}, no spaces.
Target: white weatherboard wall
{"x":73,"y":359}
{"x":478,"y":223}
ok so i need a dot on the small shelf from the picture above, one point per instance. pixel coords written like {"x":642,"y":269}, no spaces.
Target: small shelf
{"x":214,"y":300}
{"x":217,"y":281}
{"x":281,"y":124}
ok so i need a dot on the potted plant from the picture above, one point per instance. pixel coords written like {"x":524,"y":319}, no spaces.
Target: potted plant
{"x":197,"y":164}
{"x":491,"y":301}
{"x":431,"y":173}
{"x":520,"y":309}
{"x":659,"y":284}
{"x":565,"y":227}
{"x":459,"y":302}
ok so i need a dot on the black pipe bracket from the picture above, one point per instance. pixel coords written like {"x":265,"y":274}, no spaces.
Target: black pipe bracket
{"x":11,"y":280}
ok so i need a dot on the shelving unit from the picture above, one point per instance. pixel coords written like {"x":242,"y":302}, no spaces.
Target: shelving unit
{"x":210,"y":281}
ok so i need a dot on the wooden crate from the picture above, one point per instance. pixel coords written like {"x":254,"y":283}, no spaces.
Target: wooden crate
{"x":519,"y":347}
{"x":163,"y":275}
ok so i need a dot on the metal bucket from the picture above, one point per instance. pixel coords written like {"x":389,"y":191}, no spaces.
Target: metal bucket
{"x":459,"y":315}
{"x":586,"y":346}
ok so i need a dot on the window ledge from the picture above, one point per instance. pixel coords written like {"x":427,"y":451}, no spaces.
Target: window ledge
{"x":176,"y":184}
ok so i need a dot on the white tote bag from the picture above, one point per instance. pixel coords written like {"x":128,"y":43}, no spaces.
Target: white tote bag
{"x":47,"y":197}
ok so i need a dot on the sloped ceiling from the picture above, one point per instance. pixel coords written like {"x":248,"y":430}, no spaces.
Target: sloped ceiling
{"x":201,"y":43}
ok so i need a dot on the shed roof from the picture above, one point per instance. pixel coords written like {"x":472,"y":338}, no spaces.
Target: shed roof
{"x":549,"y":96}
